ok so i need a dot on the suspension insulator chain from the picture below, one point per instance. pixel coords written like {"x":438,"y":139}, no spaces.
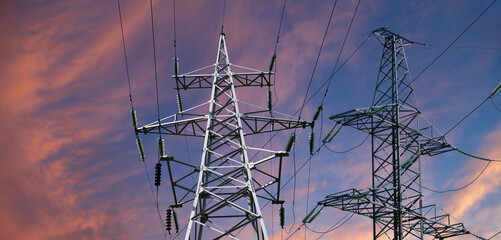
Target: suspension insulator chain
{"x":168,"y":220}
{"x":282,"y":216}
{"x":158,"y":172}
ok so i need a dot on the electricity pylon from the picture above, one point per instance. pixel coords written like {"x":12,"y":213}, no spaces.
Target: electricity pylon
{"x":225,"y":196}
{"x":394,"y":202}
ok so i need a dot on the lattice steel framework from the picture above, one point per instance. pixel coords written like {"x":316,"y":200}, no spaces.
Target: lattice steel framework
{"x":394,"y":201}
{"x":225,"y":197}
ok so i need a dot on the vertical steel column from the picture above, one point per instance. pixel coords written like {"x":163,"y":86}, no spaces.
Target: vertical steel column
{"x":223,"y":183}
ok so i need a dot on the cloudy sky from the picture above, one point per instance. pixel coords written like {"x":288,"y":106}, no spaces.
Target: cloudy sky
{"x":70,"y":167}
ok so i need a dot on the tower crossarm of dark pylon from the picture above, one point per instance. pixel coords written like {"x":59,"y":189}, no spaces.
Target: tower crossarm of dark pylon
{"x":225,"y":198}
{"x":394,"y":202}
{"x":369,"y":202}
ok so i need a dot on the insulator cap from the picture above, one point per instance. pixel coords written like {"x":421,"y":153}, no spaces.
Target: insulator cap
{"x":161,"y":147}
{"x":179,"y":103}
{"x":496,"y":90}
{"x":158,"y":173}
{"x":329,"y":138}
{"x":377,"y":111}
{"x":282,"y":216}
{"x":305,"y":219}
{"x":176,"y":223}
{"x":317,"y":113}
{"x":133,"y":116}
{"x":314,"y":216}
{"x":140,"y":148}
{"x":328,"y":134}
{"x":272,"y":62}
{"x":407,"y":164}
{"x":290,"y":143}
{"x":176,"y":66}
{"x":358,"y":196}
{"x":269,"y":100}
{"x":168,"y":218}
{"x":312,"y":142}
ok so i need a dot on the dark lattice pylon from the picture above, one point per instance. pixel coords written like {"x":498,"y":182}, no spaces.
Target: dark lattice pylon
{"x":390,"y":144}
{"x":394,"y":202}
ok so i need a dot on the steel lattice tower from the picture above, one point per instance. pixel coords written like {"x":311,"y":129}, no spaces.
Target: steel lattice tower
{"x":224,"y":198}
{"x":394,"y":202}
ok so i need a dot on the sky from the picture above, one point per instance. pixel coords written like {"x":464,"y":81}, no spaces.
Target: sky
{"x":70,"y":167}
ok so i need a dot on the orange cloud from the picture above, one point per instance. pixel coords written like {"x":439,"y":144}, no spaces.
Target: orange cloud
{"x":472,"y":197}
{"x":49,"y":139}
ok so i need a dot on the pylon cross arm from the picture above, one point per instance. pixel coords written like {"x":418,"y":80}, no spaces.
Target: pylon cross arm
{"x":370,"y":202}
{"x":375,"y":120}
{"x":245,"y":79}
{"x":187,"y":127}
{"x":258,"y":124}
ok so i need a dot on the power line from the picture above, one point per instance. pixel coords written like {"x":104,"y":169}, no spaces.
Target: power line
{"x":155,"y":59}
{"x":460,"y":35}
{"x":340,"y":51}
{"x":337,"y":61}
{"x":460,"y":121}
{"x":309,"y":85}
{"x":174,"y":23}
{"x":334,"y":228}
{"x":275,"y":50}
{"x":342,"y":65}
{"x":318,"y":57}
{"x":476,"y":157}
{"x":495,"y":235}
{"x":494,"y":104}
{"x":323,"y":84}
{"x":460,"y":188}
{"x":125,"y":54}
{"x":330,"y":229}
{"x":405,"y":14}
{"x":158,"y":113}
{"x":350,"y":149}
{"x":224,"y":11}
{"x":155,"y":200}
{"x":465,"y":47}
{"x":326,"y":91}
{"x":280,"y":26}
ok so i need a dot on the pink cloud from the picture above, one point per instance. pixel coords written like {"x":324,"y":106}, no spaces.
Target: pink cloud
{"x":469,"y":199}
{"x":49,"y":143}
